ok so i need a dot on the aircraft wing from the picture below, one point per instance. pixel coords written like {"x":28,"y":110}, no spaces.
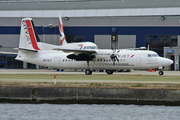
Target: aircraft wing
{"x":76,"y":51}
{"x":79,"y":55}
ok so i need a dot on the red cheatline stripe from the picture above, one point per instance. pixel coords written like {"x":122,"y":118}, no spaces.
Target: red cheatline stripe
{"x":62,"y":41}
{"x":61,"y":27}
{"x":32,"y":35}
{"x":80,"y":45}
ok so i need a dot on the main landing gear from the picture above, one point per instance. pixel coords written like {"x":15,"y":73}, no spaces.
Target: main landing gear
{"x":88,"y":72}
{"x":109,"y":72}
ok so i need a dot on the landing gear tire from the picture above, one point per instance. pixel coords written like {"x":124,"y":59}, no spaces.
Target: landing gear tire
{"x":109,"y":72}
{"x":161,"y":72}
{"x":88,"y":72}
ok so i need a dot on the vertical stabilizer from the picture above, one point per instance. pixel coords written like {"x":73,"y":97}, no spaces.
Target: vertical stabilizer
{"x":61,"y":30}
{"x":28,"y":35}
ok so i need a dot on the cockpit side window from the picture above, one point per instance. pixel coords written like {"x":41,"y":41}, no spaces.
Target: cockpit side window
{"x":149,"y":55}
{"x":153,"y":55}
{"x":156,"y":55}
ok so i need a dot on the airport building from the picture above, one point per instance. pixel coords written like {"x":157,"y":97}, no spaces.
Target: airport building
{"x":110,"y":24}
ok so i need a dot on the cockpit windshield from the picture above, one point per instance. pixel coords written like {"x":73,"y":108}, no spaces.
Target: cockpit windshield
{"x":153,"y":55}
{"x":90,"y":47}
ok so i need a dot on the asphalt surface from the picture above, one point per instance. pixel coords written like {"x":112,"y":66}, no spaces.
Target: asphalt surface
{"x":54,"y":72}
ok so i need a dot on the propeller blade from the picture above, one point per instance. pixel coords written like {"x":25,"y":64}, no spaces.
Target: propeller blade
{"x":116,"y":58}
{"x":113,"y":61}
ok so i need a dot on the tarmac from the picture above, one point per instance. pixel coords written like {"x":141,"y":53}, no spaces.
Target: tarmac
{"x":70,"y":72}
{"x":52,"y":72}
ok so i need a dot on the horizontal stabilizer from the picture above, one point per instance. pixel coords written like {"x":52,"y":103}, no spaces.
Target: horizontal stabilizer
{"x":25,"y":50}
{"x":11,"y":53}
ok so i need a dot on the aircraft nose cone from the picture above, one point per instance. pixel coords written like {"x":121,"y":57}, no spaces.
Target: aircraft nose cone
{"x":170,"y":62}
{"x":165,"y":62}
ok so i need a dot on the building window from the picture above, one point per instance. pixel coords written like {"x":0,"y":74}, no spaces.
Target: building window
{"x":158,"y":42}
{"x":31,"y":66}
{"x":8,"y":61}
{"x":12,"y":63}
{"x":74,"y":38}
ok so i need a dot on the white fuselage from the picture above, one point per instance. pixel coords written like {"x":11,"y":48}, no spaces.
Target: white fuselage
{"x":135,"y":59}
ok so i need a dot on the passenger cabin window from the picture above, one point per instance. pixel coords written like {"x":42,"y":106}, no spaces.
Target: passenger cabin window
{"x":90,"y":47}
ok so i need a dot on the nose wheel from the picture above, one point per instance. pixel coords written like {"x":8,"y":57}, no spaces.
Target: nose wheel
{"x":161,"y":72}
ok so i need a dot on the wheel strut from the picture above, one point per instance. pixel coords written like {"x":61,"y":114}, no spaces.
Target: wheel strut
{"x":161,"y":72}
{"x":88,"y":71}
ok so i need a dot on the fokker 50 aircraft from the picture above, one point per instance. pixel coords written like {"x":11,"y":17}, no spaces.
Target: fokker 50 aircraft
{"x":89,"y":59}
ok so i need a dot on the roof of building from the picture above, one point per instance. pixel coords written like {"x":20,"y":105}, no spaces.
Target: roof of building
{"x":101,"y":4}
{"x":90,"y":8}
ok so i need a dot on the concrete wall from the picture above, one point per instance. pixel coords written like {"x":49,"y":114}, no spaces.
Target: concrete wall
{"x":8,"y":42}
{"x":98,"y":21}
{"x":103,"y":41}
{"x":126,"y":41}
{"x":89,"y":95}
{"x":123,"y":21}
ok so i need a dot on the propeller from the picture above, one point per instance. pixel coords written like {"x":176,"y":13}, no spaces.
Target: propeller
{"x":114,"y":56}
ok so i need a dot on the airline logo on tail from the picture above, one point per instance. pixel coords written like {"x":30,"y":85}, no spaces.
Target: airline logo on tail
{"x":26,"y":32}
{"x":30,"y":33}
{"x":61,"y":30}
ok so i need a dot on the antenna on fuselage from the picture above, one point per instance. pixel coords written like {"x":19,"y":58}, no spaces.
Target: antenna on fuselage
{"x":148,"y":47}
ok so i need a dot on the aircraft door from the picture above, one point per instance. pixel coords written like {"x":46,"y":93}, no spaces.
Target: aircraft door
{"x":156,"y":61}
{"x":138,"y":61}
{"x":57,"y":61}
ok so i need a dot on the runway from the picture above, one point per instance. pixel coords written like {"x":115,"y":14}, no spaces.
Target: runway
{"x":52,"y":72}
{"x":110,"y":81}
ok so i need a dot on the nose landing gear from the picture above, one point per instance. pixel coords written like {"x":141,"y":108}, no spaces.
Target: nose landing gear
{"x":161,"y":72}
